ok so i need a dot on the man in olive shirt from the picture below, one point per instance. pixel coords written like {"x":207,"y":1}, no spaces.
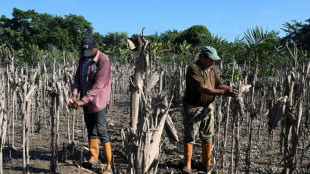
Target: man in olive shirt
{"x":202,"y":85}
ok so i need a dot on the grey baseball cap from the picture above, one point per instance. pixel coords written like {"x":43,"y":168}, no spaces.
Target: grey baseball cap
{"x":87,"y":46}
{"x":209,"y":51}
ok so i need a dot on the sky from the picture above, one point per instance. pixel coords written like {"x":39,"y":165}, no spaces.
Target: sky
{"x":226,"y":18}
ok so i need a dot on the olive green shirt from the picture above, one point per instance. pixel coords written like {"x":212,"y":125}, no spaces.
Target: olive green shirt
{"x":196,"y":77}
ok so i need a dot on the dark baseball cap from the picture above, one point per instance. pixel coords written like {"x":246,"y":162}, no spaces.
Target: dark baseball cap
{"x":209,"y":51}
{"x":88,"y":44}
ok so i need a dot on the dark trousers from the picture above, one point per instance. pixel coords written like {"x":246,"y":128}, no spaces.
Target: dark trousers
{"x":96,"y":124}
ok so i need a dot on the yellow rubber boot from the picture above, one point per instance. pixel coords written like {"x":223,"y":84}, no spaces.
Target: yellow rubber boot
{"x":188,"y":150}
{"x":108,"y":154}
{"x":94,"y":151}
{"x":206,"y":148}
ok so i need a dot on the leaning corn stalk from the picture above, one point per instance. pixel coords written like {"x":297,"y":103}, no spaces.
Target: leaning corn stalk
{"x":142,"y":141}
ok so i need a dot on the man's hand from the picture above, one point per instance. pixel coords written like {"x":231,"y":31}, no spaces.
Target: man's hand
{"x":231,"y":92}
{"x":71,"y":100}
{"x":78,"y":103}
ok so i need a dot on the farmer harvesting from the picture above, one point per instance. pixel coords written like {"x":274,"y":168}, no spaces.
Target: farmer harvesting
{"x":93,"y":81}
{"x":202,"y":85}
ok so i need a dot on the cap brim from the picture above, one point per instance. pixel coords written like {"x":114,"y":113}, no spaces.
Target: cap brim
{"x":215,"y":57}
{"x":87,"y":53}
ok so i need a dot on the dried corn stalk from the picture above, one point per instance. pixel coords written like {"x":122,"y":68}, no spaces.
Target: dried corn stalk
{"x":143,"y":140}
{"x":3,"y":121}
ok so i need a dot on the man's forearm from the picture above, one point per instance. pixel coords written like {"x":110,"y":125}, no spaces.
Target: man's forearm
{"x":228,"y":91}
{"x":211,"y":91}
{"x":223,"y":87}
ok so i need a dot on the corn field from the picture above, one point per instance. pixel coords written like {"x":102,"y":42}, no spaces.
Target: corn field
{"x":264,"y":131}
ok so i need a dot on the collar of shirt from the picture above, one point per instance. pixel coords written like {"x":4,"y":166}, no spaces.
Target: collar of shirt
{"x":207,"y":70}
{"x":95,"y":59}
{"x":202,"y":67}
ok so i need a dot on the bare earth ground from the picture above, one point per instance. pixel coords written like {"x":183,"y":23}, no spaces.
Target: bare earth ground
{"x":264,"y":159}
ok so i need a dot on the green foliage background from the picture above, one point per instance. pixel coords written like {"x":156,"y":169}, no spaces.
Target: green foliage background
{"x":31,"y":37}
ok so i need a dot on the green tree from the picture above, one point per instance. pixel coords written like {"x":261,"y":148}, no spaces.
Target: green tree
{"x":99,"y":39}
{"x":154,"y":38}
{"x":196,"y":35}
{"x":297,"y":32}
{"x":78,"y":27}
{"x":169,"y":36}
{"x":262,"y":49}
{"x":115,"y":44}
{"x":17,"y":31}
{"x":32,"y":28}
{"x":29,"y":31}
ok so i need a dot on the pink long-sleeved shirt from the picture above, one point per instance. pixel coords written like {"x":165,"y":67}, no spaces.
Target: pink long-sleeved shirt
{"x":98,"y":82}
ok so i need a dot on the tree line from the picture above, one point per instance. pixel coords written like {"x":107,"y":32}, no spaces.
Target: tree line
{"x":33,"y":37}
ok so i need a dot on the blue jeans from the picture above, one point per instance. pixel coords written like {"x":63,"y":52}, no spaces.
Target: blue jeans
{"x":96,"y":124}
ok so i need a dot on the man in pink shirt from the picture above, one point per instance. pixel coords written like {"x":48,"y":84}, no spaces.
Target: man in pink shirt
{"x":93,"y":81}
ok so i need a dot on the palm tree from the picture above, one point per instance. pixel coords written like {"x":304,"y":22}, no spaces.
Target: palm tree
{"x":261,"y":43}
